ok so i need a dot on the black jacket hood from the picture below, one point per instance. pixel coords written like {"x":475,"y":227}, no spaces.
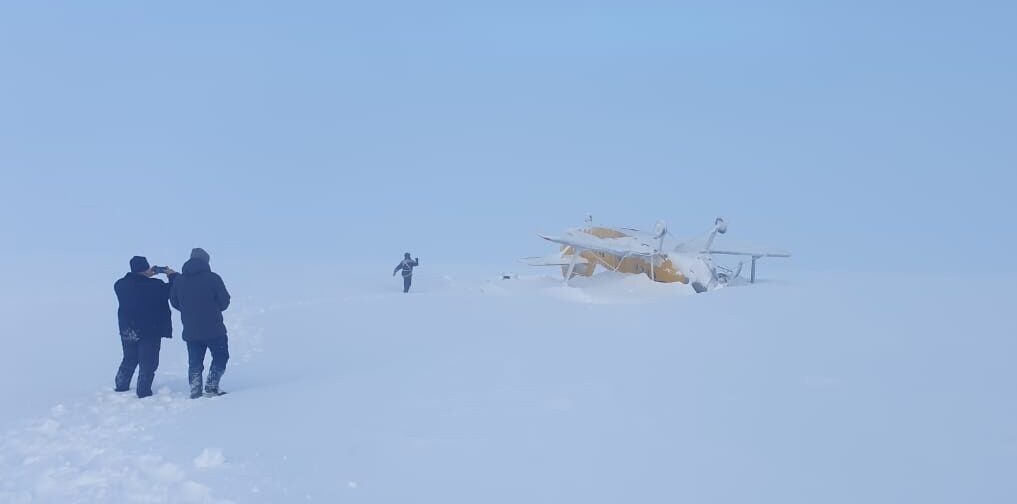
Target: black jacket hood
{"x":195,"y":267}
{"x":201,"y":297}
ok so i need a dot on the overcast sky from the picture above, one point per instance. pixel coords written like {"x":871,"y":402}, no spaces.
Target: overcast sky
{"x":861,"y":135}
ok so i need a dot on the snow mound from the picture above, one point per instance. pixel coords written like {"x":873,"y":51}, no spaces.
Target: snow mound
{"x":209,"y":458}
{"x":98,"y":452}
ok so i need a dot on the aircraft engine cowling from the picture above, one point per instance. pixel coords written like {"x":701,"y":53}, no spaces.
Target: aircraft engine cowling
{"x":698,"y":269}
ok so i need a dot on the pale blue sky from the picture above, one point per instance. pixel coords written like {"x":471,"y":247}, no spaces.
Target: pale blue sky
{"x":876,"y":135}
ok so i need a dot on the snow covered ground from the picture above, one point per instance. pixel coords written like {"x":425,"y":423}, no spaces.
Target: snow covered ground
{"x":831,"y":388}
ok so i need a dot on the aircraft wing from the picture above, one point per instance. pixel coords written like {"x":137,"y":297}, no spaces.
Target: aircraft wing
{"x":726,"y":246}
{"x":552,"y":260}
{"x":753,"y":253}
{"x":643,"y":236}
{"x":623,"y":246}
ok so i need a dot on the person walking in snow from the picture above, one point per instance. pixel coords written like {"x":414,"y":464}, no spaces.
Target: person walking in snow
{"x":144,"y":319}
{"x":201,"y":296}
{"x":407,"y":265}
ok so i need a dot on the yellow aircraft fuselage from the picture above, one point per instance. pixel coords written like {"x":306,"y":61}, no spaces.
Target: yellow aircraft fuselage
{"x":664,"y":272}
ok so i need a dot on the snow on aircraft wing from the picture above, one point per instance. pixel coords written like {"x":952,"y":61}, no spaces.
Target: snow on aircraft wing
{"x":644,"y":236}
{"x":552,"y":260}
{"x":625,"y":245}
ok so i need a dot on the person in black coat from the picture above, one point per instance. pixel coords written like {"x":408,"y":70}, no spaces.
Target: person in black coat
{"x":201,"y":296}
{"x":407,"y":265}
{"x":144,"y":320}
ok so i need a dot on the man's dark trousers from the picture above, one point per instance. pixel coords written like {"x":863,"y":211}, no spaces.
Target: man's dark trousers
{"x":196,"y":361}
{"x":144,"y":355}
{"x":407,"y":280}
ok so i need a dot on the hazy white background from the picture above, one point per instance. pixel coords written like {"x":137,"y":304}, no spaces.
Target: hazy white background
{"x":306,"y":146}
{"x":860,"y":135}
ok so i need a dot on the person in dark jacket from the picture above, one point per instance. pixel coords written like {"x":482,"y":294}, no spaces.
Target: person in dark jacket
{"x":144,"y":320}
{"x":201,"y":297}
{"x":407,"y":265}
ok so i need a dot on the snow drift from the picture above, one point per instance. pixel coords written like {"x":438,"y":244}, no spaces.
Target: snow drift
{"x":830,"y":389}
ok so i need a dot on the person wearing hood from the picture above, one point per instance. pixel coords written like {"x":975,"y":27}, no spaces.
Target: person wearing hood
{"x":144,"y":319}
{"x":407,"y":265}
{"x":201,"y":296}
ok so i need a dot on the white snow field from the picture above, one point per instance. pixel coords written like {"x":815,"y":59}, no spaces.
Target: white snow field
{"x":819,"y":388}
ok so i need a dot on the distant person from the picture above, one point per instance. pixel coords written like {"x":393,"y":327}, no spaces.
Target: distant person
{"x":144,"y":320}
{"x":407,"y":266}
{"x":201,"y":297}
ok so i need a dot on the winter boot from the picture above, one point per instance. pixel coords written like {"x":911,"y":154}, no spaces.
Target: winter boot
{"x":195,"y":386}
{"x":212,"y":387}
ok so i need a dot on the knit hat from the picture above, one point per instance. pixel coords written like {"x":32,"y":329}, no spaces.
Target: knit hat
{"x":406,"y":255}
{"x":200,"y":254}
{"x":139,"y":264}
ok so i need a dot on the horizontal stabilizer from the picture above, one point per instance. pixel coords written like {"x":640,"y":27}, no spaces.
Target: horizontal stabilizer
{"x":752,"y":253}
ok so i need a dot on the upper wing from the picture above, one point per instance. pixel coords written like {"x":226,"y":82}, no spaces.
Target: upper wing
{"x":552,"y":260}
{"x":625,"y":245}
{"x":643,"y":236}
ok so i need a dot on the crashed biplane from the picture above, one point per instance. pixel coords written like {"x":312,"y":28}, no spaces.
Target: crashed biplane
{"x":632,"y":251}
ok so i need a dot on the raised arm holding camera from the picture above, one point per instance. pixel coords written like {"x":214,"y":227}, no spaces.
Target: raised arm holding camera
{"x":144,"y":320}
